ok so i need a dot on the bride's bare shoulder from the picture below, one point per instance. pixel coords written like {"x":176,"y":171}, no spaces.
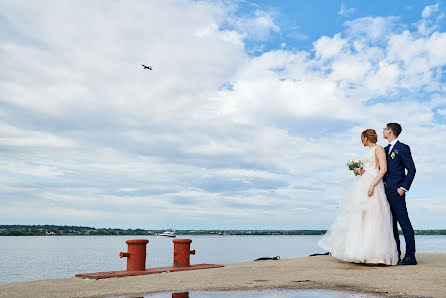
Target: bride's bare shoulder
{"x":379,"y":148}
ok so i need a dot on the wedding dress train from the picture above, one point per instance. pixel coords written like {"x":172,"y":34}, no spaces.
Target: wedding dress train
{"x":363,"y":230}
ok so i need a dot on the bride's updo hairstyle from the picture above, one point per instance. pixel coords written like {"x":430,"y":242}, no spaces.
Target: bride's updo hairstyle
{"x":370,"y":134}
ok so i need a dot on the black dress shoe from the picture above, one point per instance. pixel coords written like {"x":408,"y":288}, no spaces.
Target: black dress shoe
{"x":408,"y":261}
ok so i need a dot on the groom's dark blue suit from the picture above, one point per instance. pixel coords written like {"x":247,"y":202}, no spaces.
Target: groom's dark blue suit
{"x":398,"y":161}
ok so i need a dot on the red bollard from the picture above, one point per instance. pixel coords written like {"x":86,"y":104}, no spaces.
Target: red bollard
{"x":136,"y":262}
{"x":182,"y":252}
{"x":136,"y":255}
{"x":180,"y":295}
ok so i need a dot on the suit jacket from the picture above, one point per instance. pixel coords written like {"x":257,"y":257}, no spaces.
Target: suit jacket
{"x":399,"y":160}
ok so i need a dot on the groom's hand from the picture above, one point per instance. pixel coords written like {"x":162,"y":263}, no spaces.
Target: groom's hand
{"x":400,"y":191}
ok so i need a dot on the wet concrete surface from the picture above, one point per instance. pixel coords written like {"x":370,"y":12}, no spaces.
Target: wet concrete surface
{"x":270,"y":293}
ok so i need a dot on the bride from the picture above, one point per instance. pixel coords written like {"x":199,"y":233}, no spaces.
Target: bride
{"x":363,"y":230}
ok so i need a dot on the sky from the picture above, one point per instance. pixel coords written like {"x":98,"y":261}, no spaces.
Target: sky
{"x":246,"y":121}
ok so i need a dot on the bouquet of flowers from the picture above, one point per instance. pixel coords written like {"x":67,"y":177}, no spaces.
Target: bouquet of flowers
{"x":355,"y":164}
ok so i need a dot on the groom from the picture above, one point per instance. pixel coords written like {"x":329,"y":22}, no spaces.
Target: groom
{"x":397,"y":183}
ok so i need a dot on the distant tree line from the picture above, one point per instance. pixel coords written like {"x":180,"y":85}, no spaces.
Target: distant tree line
{"x":42,"y":230}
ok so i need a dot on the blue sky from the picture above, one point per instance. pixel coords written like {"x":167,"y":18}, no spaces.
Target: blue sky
{"x":246,"y":120}
{"x":303,"y":22}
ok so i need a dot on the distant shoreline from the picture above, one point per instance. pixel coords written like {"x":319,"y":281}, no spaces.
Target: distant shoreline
{"x":53,"y":230}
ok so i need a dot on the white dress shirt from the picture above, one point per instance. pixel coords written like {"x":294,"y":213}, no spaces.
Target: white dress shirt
{"x":391,"y":145}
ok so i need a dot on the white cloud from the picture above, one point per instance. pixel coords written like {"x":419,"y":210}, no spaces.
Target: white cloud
{"x":371,"y":28}
{"x":94,"y":136}
{"x":30,"y":169}
{"x":427,"y":24}
{"x":428,"y":10}
{"x":12,"y":136}
{"x":327,"y":47}
{"x":346,"y":12}
{"x":258,"y":27}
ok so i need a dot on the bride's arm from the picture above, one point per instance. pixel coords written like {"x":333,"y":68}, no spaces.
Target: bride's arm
{"x":381,"y":155}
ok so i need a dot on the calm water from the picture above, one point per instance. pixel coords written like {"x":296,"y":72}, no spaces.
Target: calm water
{"x":270,"y":293}
{"x":29,"y":258}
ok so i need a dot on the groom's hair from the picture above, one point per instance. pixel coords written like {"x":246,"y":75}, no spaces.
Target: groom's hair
{"x":395,"y":127}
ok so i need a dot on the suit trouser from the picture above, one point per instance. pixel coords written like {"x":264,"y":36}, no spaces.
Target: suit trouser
{"x":400,"y":215}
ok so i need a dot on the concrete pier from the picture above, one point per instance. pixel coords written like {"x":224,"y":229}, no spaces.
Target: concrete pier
{"x":428,"y":278}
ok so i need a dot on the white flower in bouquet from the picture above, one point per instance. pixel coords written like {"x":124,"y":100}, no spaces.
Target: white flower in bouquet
{"x":354,"y":164}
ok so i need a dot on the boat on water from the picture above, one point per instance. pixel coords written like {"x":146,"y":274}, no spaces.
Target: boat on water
{"x":168,"y":233}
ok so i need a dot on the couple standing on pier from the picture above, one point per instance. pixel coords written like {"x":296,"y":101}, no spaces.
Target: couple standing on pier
{"x":366,"y":230}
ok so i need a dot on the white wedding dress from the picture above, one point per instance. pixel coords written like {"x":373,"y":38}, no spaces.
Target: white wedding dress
{"x":363,"y":230}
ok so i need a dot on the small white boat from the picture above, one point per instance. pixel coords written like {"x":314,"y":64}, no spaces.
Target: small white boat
{"x":168,"y":233}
